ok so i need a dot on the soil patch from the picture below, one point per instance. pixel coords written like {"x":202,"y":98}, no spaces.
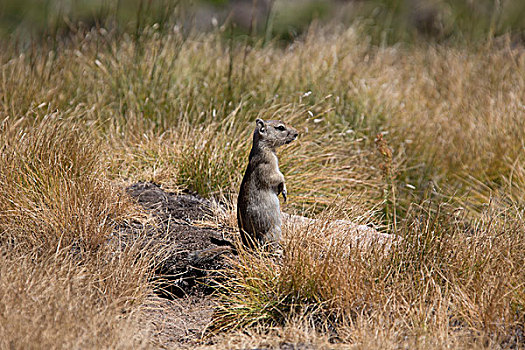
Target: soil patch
{"x":195,"y":251}
{"x":178,"y":323}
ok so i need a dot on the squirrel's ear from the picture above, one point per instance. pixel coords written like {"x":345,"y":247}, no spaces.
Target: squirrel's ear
{"x":261,"y":126}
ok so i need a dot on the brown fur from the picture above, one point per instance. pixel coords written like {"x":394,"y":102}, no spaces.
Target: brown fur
{"x":258,"y":208}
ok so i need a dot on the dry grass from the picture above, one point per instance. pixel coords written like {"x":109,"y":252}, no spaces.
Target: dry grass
{"x":99,"y":111}
{"x":62,"y":301}
{"x":444,"y":284}
{"x":62,"y":284}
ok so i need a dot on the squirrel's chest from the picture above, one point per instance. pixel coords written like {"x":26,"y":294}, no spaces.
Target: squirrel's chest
{"x":267,"y":174}
{"x":274,"y":165}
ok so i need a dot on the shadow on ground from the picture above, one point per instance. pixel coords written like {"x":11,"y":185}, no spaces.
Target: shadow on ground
{"x":194,"y":249}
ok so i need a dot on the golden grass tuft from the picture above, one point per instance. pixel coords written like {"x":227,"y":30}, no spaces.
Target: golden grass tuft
{"x":443,"y":280}
{"x":62,"y":282}
{"x":52,"y":187}
{"x":58,"y":299}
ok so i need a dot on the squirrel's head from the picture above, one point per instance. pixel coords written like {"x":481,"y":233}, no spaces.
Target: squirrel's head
{"x":274,"y":133}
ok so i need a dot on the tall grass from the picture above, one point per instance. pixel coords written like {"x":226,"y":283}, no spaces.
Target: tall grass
{"x":62,"y":283}
{"x":51,"y":168}
{"x":442,"y":284}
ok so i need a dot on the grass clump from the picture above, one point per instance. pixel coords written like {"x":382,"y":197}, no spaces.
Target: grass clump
{"x":61,"y":281}
{"x":442,"y":280}
{"x":51,"y":184}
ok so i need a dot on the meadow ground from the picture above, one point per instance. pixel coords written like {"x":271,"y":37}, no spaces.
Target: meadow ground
{"x":85,"y":117}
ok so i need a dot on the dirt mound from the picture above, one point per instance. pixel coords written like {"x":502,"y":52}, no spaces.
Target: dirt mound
{"x":195,"y":251}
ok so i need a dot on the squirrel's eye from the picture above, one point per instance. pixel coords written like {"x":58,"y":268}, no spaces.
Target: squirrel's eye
{"x":281,"y":127}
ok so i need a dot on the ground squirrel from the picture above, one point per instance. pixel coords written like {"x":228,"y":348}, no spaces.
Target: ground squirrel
{"x":258,"y":209}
